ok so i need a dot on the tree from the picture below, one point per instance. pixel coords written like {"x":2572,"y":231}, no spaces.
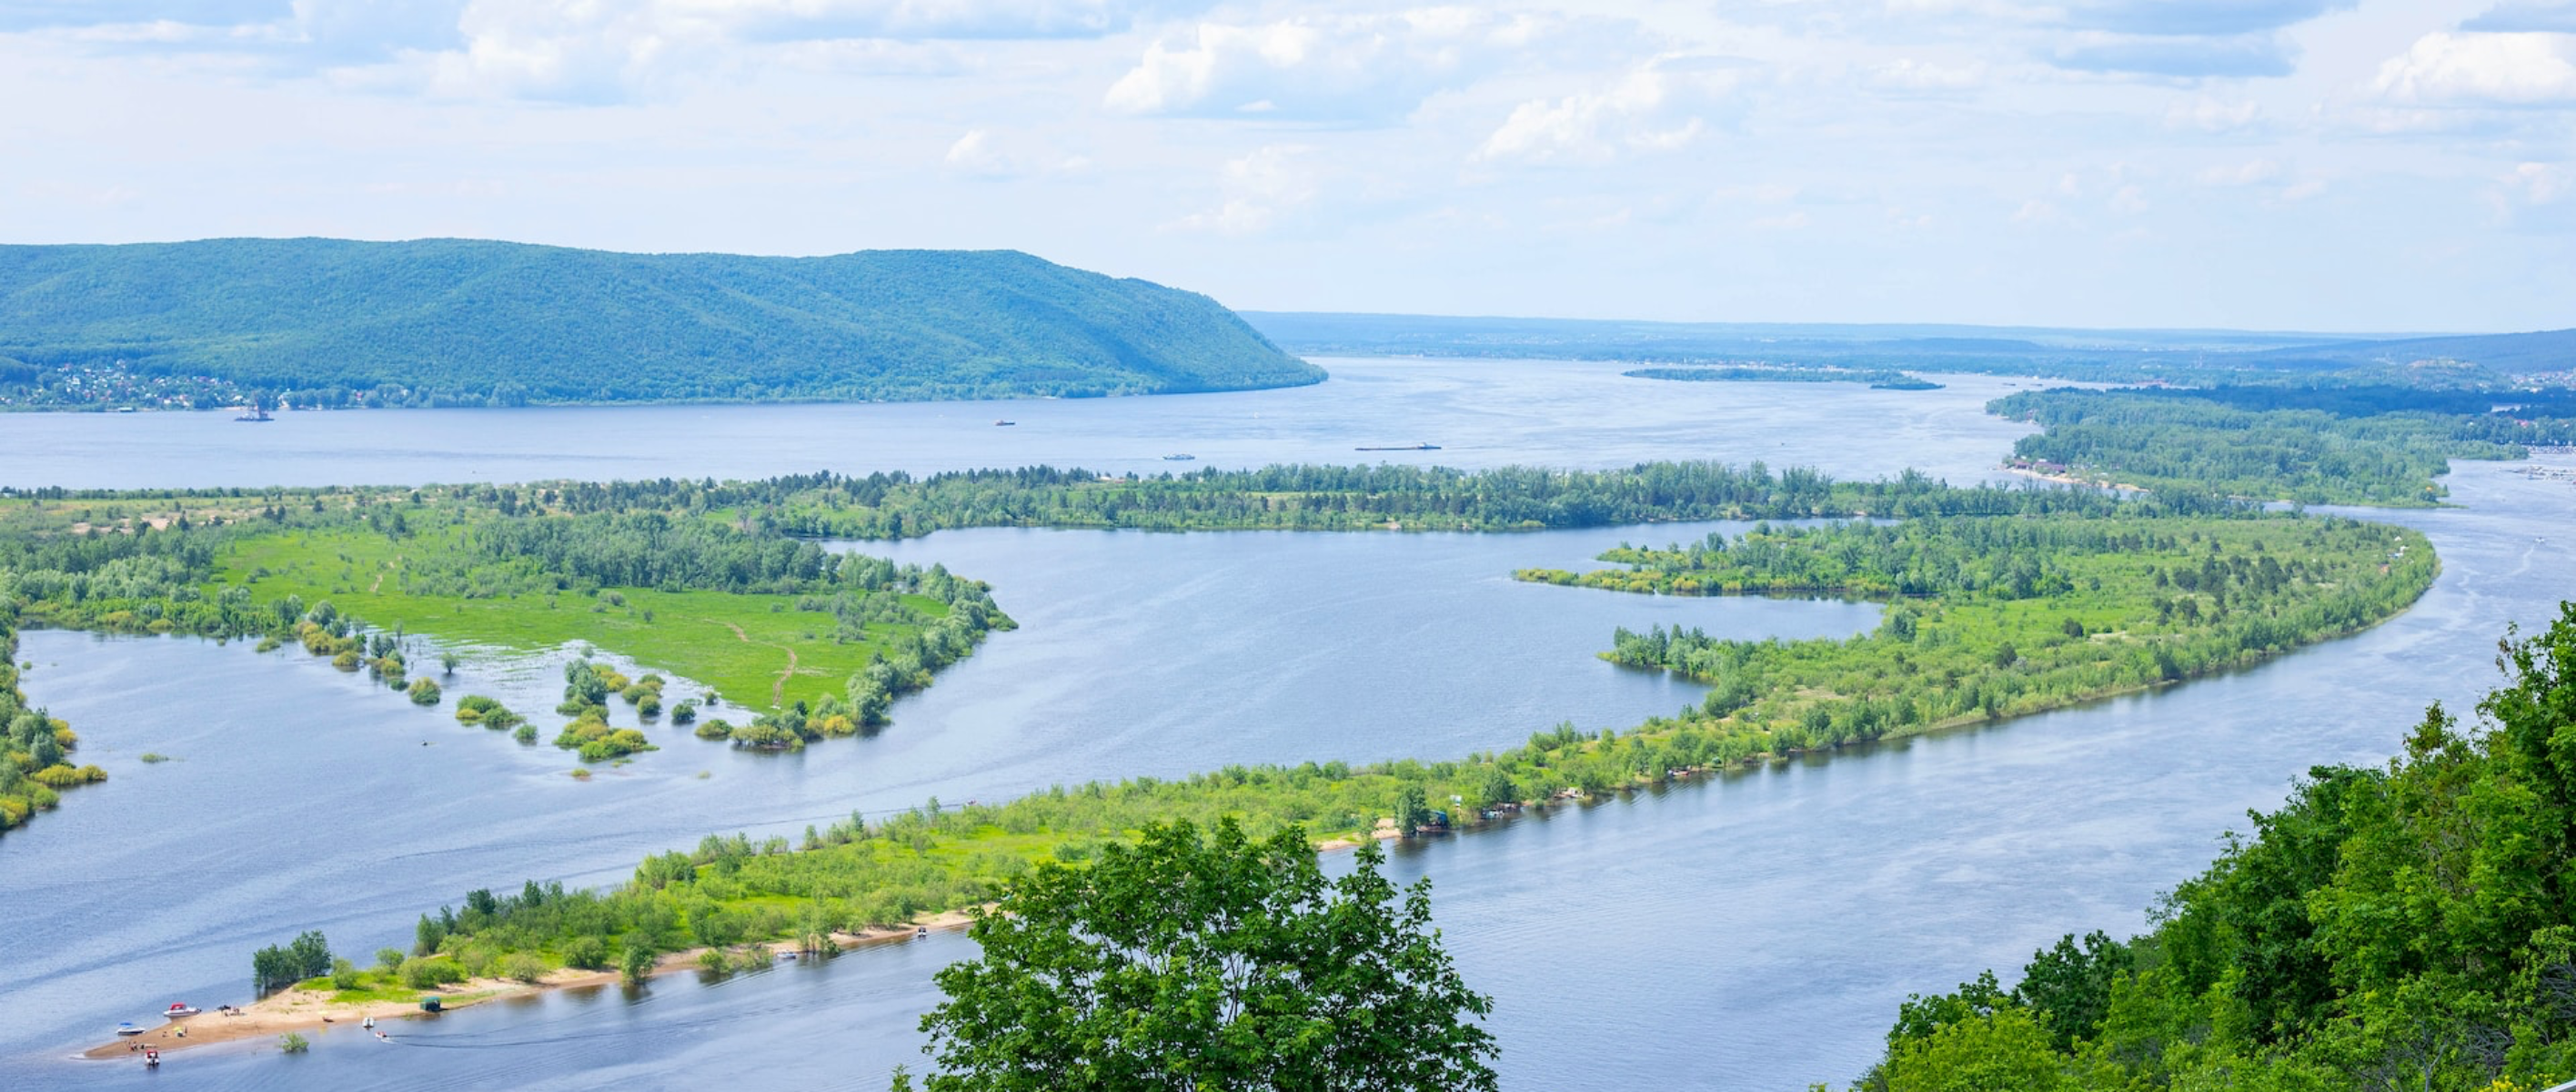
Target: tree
{"x":1191,"y":961}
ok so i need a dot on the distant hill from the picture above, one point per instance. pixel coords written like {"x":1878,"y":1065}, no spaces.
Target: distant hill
{"x":450,"y":321}
{"x":2517,"y":354}
{"x":2174,"y":355}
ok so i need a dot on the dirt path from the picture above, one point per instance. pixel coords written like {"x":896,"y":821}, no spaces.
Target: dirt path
{"x":777,"y":689}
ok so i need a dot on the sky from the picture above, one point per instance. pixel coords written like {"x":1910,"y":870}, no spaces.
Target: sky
{"x":2338,"y":165}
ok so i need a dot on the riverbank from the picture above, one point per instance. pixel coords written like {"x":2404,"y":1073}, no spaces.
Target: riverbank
{"x":302,"y":1010}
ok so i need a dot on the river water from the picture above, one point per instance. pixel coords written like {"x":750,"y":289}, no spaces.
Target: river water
{"x":1754,"y":932}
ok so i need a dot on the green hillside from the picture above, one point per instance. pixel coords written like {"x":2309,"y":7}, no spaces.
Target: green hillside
{"x":463,"y":322}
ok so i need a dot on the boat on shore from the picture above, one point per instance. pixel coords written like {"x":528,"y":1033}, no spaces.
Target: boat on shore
{"x":178,"y":1009}
{"x":128,"y":1027}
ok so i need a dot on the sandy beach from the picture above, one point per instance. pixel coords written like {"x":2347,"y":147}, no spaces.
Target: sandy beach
{"x":303,"y":1010}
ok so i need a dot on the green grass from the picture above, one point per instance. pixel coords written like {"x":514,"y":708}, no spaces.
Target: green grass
{"x":740,"y":645}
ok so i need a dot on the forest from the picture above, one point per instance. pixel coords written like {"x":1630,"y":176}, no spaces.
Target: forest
{"x":2404,"y":926}
{"x":1993,"y":616}
{"x":452,"y":322}
{"x":2374,"y":445}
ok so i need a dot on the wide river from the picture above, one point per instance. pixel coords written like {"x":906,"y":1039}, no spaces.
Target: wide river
{"x":1755,"y":932}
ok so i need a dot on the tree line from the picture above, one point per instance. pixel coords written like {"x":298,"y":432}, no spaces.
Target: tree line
{"x":2405,"y":926}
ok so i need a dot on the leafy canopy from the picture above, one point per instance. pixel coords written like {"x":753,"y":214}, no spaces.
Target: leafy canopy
{"x":1209,"y":961}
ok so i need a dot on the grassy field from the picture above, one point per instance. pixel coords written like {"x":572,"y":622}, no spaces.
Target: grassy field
{"x":752,"y":649}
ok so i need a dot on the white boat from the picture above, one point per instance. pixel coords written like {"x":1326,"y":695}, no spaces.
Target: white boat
{"x":178,"y":1009}
{"x":128,"y":1028}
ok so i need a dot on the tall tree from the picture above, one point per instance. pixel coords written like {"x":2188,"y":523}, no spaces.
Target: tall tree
{"x":1209,"y":961}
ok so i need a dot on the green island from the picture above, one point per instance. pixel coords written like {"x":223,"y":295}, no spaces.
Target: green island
{"x":2372,"y":444}
{"x":318,"y":323}
{"x":2004,"y":602}
{"x":2411,"y":925}
{"x":814,"y":643}
{"x":2000,"y":616}
{"x":1883,"y":379}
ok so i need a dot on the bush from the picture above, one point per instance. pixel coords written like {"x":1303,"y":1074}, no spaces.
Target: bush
{"x":390,"y":960}
{"x":292,"y":1043}
{"x":430,"y":972}
{"x":423,"y":692}
{"x":587,"y":953}
{"x":523,"y":967}
{"x":715,"y":728}
{"x":344,"y":975}
{"x":527,"y":733}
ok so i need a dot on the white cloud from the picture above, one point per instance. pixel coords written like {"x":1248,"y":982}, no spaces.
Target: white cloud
{"x":1258,"y":189}
{"x":2524,"y":69}
{"x":2212,"y":115}
{"x":1654,"y":108}
{"x":2252,"y":172}
{"x":2301,"y":191}
{"x":597,"y":50}
{"x":983,"y":154}
{"x":2538,"y":183}
{"x":1342,"y":67}
{"x":1907,"y":74}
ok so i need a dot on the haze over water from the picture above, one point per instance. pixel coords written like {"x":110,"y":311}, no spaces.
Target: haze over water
{"x":1756,"y":932}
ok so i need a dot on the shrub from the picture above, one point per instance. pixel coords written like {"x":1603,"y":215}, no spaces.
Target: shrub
{"x":587,"y":953}
{"x":292,"y":1043}
{"x":523,"y":967}
{"x":390,"y":960}
{"x":423,"y":692}
{"x":346,"y":661}
{"x":715,"y":728}
{"x":430,"y":972}
{"x":344,"y":975}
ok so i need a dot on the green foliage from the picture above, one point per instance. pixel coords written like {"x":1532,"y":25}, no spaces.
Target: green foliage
{"x":2006,"y":615}
{"x":293,"y":1043}
{"x":1191,"y":961}
{"x":458,"y":322}
{"x":423,"y":692}
{"x":2366,"y":445}
{"x":430,"y":972}
{"x":2409,"y":926}
{"x":308,"y":956}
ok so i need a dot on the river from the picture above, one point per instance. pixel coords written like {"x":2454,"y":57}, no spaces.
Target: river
{"x":1753,"y":932}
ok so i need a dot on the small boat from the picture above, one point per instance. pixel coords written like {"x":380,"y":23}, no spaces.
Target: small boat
{"x":255,"y":413}
{"x":152,"y":1058}
{"x":1004,"y":424}
{"x":1178,"y":458}
{"x":180,"y":1008}
{"x":128,"y":1028}
{"x":1402,"y":447}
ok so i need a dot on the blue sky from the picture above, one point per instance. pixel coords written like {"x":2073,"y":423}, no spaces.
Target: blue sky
{"x":2272,"y":164}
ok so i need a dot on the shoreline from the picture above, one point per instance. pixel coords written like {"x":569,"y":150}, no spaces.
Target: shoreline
{"x":297,"y":1009}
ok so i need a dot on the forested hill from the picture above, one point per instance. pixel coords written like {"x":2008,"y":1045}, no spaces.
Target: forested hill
{"x":451,"y":321}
